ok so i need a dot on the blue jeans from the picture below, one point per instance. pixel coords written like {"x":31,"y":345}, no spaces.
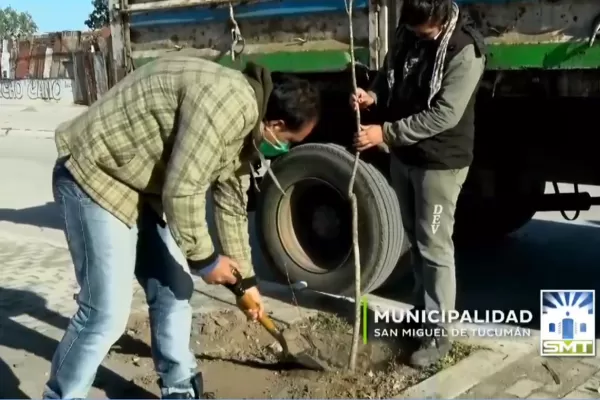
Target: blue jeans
{"x":107,"y":255}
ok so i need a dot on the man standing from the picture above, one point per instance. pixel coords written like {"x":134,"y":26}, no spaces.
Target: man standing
{"x":131,"y":183}
{"x":426,"y":90}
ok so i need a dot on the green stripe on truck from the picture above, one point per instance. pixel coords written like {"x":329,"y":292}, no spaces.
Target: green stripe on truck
{"x":297,"y":61}
{"x":571,"y":55}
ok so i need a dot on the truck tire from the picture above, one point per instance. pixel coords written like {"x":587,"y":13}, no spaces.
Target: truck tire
{"x":306,"y":235}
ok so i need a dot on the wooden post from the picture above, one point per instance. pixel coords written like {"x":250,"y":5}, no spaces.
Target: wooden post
{"x":118,"y":40}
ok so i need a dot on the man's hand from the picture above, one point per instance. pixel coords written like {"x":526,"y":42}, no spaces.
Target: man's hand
{"x":369,"y":136}
{"x":361,"y":100}
{"x":254,"y":295}
{"x":222,"y":273}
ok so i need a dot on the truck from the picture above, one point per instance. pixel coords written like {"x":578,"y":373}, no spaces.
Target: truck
{"x":535,"y":119}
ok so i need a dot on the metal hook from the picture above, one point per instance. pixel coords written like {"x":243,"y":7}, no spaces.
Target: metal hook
{"x":595,"y":30}
{"x":236,"y":35}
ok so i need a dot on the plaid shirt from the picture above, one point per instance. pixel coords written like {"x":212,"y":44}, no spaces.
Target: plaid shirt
{"x":165,"y":134}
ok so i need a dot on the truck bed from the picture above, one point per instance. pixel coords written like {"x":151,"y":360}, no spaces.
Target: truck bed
{"x":312,"y":35}
{"x":275,"y":28}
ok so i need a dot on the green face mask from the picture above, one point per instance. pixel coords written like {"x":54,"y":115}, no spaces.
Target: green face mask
{"x":270,"y":150}
{"x":273,"y":150}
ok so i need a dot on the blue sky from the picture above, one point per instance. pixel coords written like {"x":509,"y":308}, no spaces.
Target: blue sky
{"x":54,"y":15}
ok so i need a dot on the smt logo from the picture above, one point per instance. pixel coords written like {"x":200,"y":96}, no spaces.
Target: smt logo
{"x":568,"y":323}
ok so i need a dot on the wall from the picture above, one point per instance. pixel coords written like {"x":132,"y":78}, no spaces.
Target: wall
{"x":61,"y":67}
{"x":27,"y":91}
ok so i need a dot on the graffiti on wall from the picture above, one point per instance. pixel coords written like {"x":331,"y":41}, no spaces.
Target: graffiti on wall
{"x":36,"y":89}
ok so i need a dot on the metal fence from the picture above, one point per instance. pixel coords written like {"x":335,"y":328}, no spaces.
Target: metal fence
{"x":91,"y":74}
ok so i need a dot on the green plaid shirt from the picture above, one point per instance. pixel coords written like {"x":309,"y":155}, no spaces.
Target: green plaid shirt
{"x":165,"y":134}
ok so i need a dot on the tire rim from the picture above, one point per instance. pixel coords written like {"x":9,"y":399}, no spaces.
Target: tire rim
{"x":314,"y":225}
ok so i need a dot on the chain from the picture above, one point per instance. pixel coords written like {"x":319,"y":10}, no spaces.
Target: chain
{"x":236,"y":36}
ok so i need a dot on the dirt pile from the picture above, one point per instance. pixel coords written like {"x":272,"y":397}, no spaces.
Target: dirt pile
{"x":239,"y":359}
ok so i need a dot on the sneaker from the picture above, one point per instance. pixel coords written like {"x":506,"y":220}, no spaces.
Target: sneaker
{"x":195,"y":392}
{"x":178,"y":396}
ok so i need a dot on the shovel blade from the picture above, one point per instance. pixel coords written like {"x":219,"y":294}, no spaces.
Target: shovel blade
{"x":296,"y":352}
{"x":306,"y":361}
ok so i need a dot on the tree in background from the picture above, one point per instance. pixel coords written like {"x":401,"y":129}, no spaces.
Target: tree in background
{"x":99,"y":18}
{"x":15,"y":25}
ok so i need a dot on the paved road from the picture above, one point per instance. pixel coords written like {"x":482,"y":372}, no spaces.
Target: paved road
{"x":35,"y":118}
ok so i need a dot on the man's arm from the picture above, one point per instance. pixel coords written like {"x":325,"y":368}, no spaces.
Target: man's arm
{"x":231,"y":217}
{"x":460,"y":81}
{"x":205,"y":116}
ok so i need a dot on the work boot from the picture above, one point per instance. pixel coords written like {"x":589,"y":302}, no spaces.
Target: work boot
{"x":432,"y":350}
{"x":197,"y":384}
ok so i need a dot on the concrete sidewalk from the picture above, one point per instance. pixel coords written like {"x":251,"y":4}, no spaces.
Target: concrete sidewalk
{"x":35,"y":120}
{"x":536,"y":377}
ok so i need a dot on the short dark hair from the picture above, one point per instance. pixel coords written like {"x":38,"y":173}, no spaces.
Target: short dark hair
{"x":419,"y":12}
{"x":293,"y":100}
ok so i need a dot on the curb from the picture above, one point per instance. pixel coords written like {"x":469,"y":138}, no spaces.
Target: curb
{"x":455,"y":381}
{"x":29,"y":133}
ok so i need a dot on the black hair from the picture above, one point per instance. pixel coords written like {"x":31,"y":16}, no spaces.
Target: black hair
{"x":419,"y":12}
{"x":293,"y":100}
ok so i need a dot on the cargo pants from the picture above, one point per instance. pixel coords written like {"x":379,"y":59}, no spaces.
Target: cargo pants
{"x":427,"y":203}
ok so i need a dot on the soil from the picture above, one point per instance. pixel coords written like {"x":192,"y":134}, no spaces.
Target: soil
{"x":239,"y":359}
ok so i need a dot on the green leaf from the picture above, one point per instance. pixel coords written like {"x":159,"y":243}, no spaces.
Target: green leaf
{"x":14,"y":24}
{"x":99,"y":18}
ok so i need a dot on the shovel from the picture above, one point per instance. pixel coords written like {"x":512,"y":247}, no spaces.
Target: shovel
{"x":294,"y":354}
